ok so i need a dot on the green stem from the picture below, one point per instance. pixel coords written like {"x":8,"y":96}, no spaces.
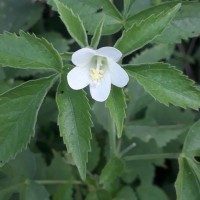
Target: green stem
{"x":55,"y":182}
{"x":112,"y":141}
{"x":153,"y":156}
{"x":127,"y":149}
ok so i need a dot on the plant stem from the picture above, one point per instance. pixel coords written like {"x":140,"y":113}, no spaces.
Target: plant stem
{"x":126,"y":150}
{"x":153,"y":156}
{"x":54,"y":182}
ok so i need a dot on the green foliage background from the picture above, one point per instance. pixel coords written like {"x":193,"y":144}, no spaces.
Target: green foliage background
{"x":143,"y":142}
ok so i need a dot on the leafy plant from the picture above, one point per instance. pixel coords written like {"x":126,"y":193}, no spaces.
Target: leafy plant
{"x":57,"y":142}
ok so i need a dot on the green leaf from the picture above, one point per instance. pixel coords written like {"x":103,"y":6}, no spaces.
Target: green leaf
{"x":144,"y":14}
{"x":117,"y":105}
{"x":187,"y":183}
{"x":151,"y":192}
{"x":111,"y":171}
{"x":142,"y":169}
{"x":166,"y":84}
{"x":161,"y":134}
{"x":59,"y":164}
{"x":33,"y":191}
{"x":103,"y":116}
{"x":126,"y":193}
{"x":188,"y":16}
{"x":99,"y":195}
{"x":137,"y":6}
{"x":59,"y":42}
{"x":15,"y":15}
{"x":64,"y":192}
{"x":74,"y":123}
{"x":97,"y":35}
{"x":169,"y":115}
{"x":19,"y":109}
{"x":140,"y":34}
{"x":153,"y":54}
{"x":28,"y":52}
{"x":94,"y":8}
{"x":73,"y":24}
{"x":138,"y":99}
{"x":128,"y":4}
{"x":94,"y":156}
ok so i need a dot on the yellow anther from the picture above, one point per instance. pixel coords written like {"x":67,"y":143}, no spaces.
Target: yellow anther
{"x":96,"y":75}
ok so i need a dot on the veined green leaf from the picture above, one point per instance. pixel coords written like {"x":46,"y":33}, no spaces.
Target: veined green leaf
{"x":188,"y":180}
{"x":161,"y":134}
{"x":97,"y":35}
{"x":144,"y":14}
{"x":111,"y":171}
{"x":188,"y":16}
{"x":19,"y":108}
{"x":117,"y":105}
{"x":73,"y":24}
{"x":113,"y":21}
{"x":140,"y":34}
{"x":128,"y":4}
{"x":74,"y":123}
{"x":153,"y":54}
{"x":166,"y":84}
{"x":28,"y":52}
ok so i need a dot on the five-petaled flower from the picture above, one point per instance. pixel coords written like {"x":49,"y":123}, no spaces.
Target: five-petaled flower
{"x":98,"y":69}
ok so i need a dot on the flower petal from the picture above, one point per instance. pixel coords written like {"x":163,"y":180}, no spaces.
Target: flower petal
{"x":82,"y":57}
{"x":118,"y":75}
{"x":110,"y":52}
{"x":78,"y":78}
{"x":101,"y":92}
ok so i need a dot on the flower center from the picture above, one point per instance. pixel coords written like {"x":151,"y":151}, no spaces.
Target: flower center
{"x":97,"y":73}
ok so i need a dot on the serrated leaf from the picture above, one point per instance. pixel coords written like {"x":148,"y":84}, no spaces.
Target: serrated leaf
{"x":188,"y":16}
{"x":111,"y":171}
{"x":161,"y":134}
{"x":188,"y":180}
{"x":15,"y":15}
{"x":74,"y":123}
{"x":166,"y":84}
{"x":117,"y":105}
{"x":137,"y":6}
{"x":144,"y":14}
{"x":94,"y":8}
{"x":97,"y":34}
{"x":19,"y":108}
{"x":128,"y":4}
{"x":28,"y":52}
{"x":140,"y":34}
{"x":153,"y":54}
{"x":73,"y":24}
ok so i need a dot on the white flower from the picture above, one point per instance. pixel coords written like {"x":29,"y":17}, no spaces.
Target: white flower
{"x":98,"y":69}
